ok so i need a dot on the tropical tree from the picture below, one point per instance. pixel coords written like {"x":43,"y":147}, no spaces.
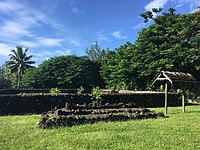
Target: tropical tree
{"x":4,"y":79}
{"x":95,"y":53}
{"x":64,"y":72}
{"x":31,"y":79}
{"x":171,"y":43}
{"x":119,"y":69}
{"x":19,"y":62}
{"x":4,"y":82}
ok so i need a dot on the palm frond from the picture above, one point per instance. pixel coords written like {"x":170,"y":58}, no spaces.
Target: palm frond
{"x":29,"y":66}
{"x":27,"y":58}
{"x":14,"y":52}
{"x":29,"y":62}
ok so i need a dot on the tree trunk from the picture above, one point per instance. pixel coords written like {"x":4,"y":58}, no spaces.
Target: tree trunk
{"x":18,"y":79}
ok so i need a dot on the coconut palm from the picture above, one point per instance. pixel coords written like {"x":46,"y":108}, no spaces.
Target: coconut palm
{"x":19,"y":62}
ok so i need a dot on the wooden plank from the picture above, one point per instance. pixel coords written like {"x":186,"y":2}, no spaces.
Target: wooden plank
{"x":183,"y":103}
{"x":165,"y":98}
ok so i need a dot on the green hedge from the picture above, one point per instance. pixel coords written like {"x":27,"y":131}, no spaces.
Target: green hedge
{"x":38,"y":103}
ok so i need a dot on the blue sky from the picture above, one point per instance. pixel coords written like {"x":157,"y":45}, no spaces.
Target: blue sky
{"x":65,"y":27}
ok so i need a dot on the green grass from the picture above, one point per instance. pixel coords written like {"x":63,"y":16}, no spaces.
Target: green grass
{"x":181,"y":131}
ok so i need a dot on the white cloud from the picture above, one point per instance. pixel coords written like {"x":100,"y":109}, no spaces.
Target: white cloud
{"x":76,"y":10}
{"x":178,"y":3}
{"x":20,"y":19}
{"x":7,"y":7}
{"x":5,"y":49}
{"x":139,"y":26}
{"x":155,"y":4}
{"x":117,"y":34}
{"x":28,"y":44}
{"x":12,"y":29}
{"x":75,"y":43}
{"x":51,"y":53}
{"x":63,"y":52}
{"x":101,"y":36}
{"x":42,"y":55}
{"x":50,"y":42}
{"x":192,"y":4}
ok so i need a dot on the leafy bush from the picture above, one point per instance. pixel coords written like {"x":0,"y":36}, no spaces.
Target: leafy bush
{"x":64,"y":71}
{"x":96,"y":94}
{"x":80,"y":90}
{"x":54,"y":91}
{"x":162,"y":88}
{"x":4,"y":82}
{"x":115,"y":89}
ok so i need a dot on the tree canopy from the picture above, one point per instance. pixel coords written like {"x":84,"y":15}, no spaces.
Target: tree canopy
{"x":95,"y":53}
{"x":171,"y":43}
{"x":4,"y":79}
{"x":64,"y":72}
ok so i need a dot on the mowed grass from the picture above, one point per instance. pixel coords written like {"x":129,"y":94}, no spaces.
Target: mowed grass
{"x":181,"y":131}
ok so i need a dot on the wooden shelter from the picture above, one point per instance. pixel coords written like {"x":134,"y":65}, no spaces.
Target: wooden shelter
{"x":172,"y":78}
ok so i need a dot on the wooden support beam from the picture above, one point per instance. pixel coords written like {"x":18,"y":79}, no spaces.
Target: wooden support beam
{"x":183,"y":103}
{"x":166,"y":98}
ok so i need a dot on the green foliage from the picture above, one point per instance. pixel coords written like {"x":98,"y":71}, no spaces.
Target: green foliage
{"x":114,"y":89}
{"x":180,"y":91}
{"x":149,"y":14}
{"x":31,"y":79}
{"x":80,"y":90}
{"x":118,"y":69}
{"x":5,"y":81}
{"x":172,"y":43}
{"x":162,"y":88}
{"x":64,"y":71}
{"x":149,"y":86}
{"x":95,"y":53}
{"x":96,"y":94}
{"x":167,"y":44}
{"x":54,"y":91}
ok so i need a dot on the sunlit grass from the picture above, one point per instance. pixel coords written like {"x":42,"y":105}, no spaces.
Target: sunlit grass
{"x":180,"y":131}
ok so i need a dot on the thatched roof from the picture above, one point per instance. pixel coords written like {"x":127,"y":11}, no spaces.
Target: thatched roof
{"x":175,"y":77}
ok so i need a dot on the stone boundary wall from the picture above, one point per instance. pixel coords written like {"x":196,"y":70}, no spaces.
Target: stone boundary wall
{"x":14,"y":104}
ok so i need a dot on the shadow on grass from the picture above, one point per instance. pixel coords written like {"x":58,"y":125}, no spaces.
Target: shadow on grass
{"x":192,"y":111}
{"x":191,"y":104}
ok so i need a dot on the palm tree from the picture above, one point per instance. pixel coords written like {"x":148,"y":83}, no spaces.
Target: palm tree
{"x":19,"y":62}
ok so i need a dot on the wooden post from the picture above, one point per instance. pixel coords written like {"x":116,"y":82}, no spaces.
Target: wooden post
{"x":183,"y":103}
{"x":165,"y":98}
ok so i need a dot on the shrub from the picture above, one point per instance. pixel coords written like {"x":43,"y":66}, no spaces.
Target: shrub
{"x":54,"y":91}
{"x":96,"y":94}
{"x":80,"y":90}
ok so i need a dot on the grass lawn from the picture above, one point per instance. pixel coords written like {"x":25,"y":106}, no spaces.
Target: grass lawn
{"x":181,"y":131}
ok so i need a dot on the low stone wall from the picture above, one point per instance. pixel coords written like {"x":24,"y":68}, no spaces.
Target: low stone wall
{"x":37,"y":103}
